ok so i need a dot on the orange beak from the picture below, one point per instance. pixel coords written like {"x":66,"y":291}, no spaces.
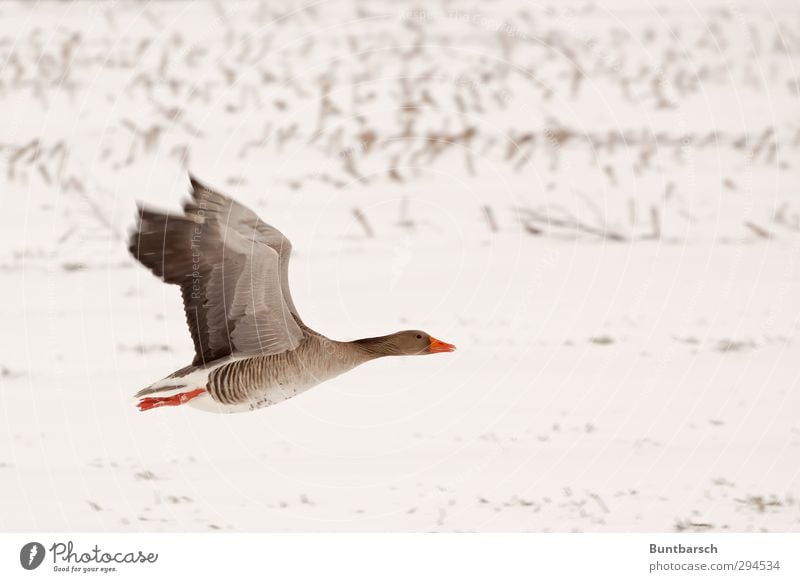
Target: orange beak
{"x":440,"y":346}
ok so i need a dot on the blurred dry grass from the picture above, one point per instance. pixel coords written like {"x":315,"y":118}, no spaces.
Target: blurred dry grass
{"x":609,"y":122}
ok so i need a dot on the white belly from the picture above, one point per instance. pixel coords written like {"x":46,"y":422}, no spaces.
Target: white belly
{"x":260,"y":399}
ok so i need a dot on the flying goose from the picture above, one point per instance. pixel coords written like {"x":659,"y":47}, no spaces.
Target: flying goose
{"x":251,"y":349}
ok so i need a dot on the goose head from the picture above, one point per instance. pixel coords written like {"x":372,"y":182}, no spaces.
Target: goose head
{"x":411,"y":342}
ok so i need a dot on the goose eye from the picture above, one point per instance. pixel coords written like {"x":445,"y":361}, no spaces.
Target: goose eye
{"x":419,"y":336}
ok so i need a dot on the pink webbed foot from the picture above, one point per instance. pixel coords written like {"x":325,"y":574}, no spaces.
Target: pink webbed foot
{"x":174,"y":400}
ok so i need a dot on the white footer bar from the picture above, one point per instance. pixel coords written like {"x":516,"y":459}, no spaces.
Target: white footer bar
{"x":401,"y":557}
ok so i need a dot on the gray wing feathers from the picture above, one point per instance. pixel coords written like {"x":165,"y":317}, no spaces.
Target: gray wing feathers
{"x":262,"y":328}
{"x":232,"y":279}
{"x":245,"y":221}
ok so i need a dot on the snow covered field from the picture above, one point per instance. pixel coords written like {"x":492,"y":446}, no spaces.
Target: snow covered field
{"x":597,"y":203}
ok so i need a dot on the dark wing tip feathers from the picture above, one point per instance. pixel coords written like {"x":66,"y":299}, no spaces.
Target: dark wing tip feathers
{"x":148,"y":218}
{"x":158,"y":237}
{"x":149,"y":221}
{"x":202,"y":193}
{"x":135,"y":232}
{"x":196,"y":184}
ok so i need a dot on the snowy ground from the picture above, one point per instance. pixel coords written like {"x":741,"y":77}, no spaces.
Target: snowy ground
{"x":598,"y":205}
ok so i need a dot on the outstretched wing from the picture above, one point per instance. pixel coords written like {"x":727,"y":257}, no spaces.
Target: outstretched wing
{"x":246,"y":222}
{"x":231,"y":275}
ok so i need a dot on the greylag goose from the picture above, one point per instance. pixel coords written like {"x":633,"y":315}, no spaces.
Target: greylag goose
{"x":251,"y":349}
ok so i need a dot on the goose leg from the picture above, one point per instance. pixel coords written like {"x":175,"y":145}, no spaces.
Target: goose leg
{"x":174,"y":400}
